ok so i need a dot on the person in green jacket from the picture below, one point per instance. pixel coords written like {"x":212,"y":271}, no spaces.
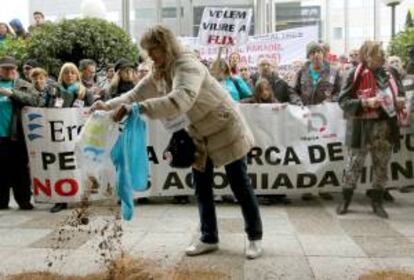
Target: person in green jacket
{"x":15,"y":93}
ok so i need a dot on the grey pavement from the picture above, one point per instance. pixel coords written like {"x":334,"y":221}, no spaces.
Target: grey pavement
{"x":302,"y":240}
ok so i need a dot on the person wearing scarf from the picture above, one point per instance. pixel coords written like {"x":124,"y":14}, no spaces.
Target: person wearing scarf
{"x":69,"y":93}
{"x":373,"y":106}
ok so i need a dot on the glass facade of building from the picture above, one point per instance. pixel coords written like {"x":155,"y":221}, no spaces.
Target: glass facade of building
{"x":345,"y":24}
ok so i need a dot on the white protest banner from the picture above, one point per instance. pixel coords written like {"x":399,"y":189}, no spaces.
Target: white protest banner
{"x":56,"y":177}
{"x":224,"y":26}
{"x":283,"y":47}
{"x":296,"y":150}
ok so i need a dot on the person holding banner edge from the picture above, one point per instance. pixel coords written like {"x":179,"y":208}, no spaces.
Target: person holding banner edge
{"x":181,"y":85}
{"x":15,"y":93}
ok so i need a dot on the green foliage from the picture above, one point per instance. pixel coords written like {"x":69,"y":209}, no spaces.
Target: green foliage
{"x":399,"y":45}
{"x":72,"y":40}
{"x":13,"y":47}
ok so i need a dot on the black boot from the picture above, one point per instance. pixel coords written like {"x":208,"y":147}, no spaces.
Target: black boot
{"x":377,"y":200}
{"x":347,"y":197}
{"x":58,"y":207}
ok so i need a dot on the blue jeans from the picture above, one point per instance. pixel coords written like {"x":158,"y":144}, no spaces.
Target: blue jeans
{"x":242,"y":189}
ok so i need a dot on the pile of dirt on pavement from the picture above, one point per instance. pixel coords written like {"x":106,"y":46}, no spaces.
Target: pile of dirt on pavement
{"x":127,"y":268}
{"x":387,"y":275}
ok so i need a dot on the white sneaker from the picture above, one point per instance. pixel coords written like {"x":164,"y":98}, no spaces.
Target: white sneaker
{"x":254,"y":249}
{"x":200,"y":247}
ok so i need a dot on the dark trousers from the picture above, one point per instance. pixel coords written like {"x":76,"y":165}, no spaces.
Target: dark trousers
{"x":14,"y":173}
{"x":240,"y":185}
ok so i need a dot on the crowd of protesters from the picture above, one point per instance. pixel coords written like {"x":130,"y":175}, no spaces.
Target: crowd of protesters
{"x":317,"y":79}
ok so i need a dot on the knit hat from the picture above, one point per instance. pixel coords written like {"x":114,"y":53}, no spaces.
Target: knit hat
{"x":8,"y":61}
{"x":313,"y":47}
{"x":123,"y":63}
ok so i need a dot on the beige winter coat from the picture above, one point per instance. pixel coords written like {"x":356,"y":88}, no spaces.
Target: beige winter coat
{"x":216,"y":126}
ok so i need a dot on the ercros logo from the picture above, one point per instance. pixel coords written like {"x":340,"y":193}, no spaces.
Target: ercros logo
{"x":33,"y":126}
{"x":317,"y":126}
{"x":317,"y":122}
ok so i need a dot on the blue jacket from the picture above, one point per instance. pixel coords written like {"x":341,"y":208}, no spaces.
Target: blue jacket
{"x":237,"y":88}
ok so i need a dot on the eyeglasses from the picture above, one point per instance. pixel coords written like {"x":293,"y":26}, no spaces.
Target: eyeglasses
{"x":27,"y":68}
{"x":243,"y":69}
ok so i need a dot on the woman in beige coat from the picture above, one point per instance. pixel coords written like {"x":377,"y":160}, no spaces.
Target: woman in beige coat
{"x":180,"y":85}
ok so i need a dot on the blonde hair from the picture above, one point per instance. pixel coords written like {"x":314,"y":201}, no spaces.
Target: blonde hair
{"x":35,"y":72}
{"x":163,"y":38}
{"x":221,"y":64}
{"x":69,"y":66}
{"x":371,"y":49}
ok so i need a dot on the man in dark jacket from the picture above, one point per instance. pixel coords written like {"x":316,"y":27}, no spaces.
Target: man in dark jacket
{"x":14,"y":172}
{"x":281,"y":90}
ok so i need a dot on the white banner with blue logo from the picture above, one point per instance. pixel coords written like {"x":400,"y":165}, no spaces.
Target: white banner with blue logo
{"x":51,"y":135}
{"x":296,"y":150}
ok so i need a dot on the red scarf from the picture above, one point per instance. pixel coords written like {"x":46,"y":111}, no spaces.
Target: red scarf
{"x":368,"y":88}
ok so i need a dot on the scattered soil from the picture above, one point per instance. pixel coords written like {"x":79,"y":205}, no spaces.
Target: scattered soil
{"x":126,"y":268}
{"x":387,"y":275}
{"x":107,"y":230}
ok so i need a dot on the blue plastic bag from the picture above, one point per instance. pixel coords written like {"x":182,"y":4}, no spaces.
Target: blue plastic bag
{"x":130,"y":157}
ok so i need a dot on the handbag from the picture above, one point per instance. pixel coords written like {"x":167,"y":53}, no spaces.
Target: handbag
{"x":180,"y":151}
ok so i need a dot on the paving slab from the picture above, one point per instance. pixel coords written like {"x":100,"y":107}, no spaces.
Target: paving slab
{"x":316,"y":225}
{"x":277,"y":226}
{"x":167,"y":248}
{"x":332,"y":268}
{"x":19,"y":238}
{"x":27,"y":259}
{"x":281,"y":245}
{"x":44,"y":220}
{"x":404,"y":227}
{"x":75,"y":261}
{"x":384,"y":246}
{"x":278,"y":268}
{"x":164,"y":224}
{"x":405,"y":264}
{"x":220,"y":262}
{"x":230,"y":225}
{"x":330,"y":245}
{"x":377,"y":227}
{"x":63,"y":239}
{"x":7,"y":221}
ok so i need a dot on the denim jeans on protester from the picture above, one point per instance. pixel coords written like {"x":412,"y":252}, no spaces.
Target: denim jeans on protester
{"x":243,"y":191}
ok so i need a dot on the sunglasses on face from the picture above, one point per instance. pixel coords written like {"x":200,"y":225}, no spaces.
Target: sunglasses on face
{"x":27,"y":68}
{"x":243,"y":69}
